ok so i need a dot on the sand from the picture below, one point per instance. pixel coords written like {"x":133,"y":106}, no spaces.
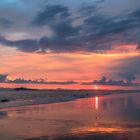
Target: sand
{"x":21,"y":97}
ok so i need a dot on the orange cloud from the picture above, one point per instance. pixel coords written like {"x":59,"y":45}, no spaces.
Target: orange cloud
{"x":68,"y":66}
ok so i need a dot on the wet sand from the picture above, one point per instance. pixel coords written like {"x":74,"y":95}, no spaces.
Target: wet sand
{"x":110,"y":117}
{"x":15,"y":98}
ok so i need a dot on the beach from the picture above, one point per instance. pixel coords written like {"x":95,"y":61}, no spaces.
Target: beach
{"x":58,"y":116}
{"x":24,"y":96}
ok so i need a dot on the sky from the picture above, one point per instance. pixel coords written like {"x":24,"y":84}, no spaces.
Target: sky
{"x":70,"y":41}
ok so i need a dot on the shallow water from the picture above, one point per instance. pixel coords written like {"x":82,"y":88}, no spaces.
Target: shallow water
{"x":112,"y":117}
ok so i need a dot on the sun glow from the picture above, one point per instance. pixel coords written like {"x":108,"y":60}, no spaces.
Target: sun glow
{"x":10,"y":78}
{"x":96,"y":87}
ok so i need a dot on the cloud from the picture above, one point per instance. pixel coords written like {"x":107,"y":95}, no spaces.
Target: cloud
{"x":81,"y":30}
{"x":130,"y":68}
{"x":50,"y":15}
{"x":41,"y":81}
{"x":4,"y":79}
{"x":5,"y":23}
{"x":90,"y":8}
{"x":61,"y":83}
{"x":26,"y":45}
{"x":105,"y":81}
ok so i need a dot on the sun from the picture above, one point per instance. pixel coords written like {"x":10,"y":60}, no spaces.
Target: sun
{"x":10,"y":78}
{"x":96,"y":87}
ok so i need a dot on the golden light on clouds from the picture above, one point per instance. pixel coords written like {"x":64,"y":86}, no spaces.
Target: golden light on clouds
{"x":63,"y":66}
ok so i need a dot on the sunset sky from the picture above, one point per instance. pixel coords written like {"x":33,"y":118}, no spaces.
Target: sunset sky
{"x":70,"y":41}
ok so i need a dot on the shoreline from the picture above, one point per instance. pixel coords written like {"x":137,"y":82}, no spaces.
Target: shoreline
{"x":26,"y":97}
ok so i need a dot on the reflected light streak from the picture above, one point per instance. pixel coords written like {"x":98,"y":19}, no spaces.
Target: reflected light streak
{"x":96,"y":103}
{"x":98,"y":129}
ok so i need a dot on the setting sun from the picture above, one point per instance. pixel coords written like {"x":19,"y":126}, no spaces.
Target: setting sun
{"x":96,"y":87}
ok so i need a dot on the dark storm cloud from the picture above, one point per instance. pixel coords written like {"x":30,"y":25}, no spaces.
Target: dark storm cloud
{"x":86,"y":30}
{"x":58,"y":18}
{"x":105,"y":81}
{"x":50,"y":15}
{"x":27,"y":45}
{"x":5,"y":23}
{"x":102,"y":31}
{"x":90,"y":8}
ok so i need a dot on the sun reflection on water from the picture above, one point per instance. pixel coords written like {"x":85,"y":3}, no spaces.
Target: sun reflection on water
{"x":98,"y":129}
{"x":96,"y":103}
